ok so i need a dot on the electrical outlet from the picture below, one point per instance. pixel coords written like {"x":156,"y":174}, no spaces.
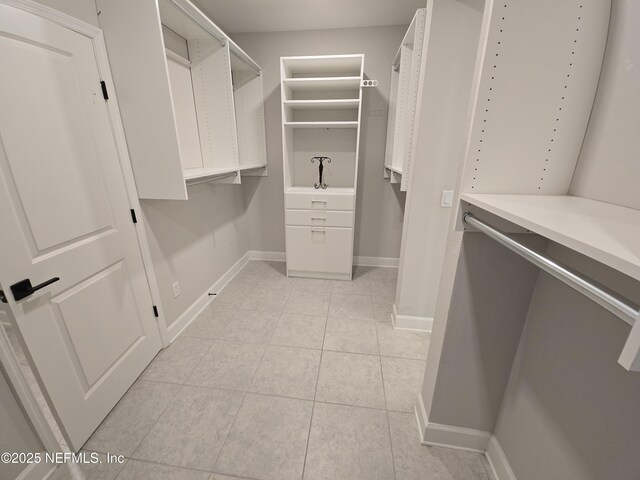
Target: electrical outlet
{"x":447,"y":198}
{"x":176,"y":289}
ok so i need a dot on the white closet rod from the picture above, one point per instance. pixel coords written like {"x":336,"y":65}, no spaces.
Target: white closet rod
{"x":621,"y":307}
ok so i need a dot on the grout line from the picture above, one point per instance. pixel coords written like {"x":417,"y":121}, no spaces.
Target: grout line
{"x":246,"y":392}
{"x":175,"y":395}
{"x":386,"y":404}
{"x":315,"y":393}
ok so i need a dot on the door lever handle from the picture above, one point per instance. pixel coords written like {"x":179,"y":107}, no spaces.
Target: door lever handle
{"x":23,"y":288}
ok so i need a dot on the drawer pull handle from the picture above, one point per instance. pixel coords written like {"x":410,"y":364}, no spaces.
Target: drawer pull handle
{"x":319,"y":218}
{"x":319,"y":201}
{"x":315,"y":230}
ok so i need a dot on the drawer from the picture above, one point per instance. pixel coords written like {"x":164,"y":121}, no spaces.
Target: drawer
{"x":327,"y":250}
{"x":319,"y":201}
{"x":319,"y":218}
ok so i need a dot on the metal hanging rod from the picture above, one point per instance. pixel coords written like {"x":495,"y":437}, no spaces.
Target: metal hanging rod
{"x":621,"y":307}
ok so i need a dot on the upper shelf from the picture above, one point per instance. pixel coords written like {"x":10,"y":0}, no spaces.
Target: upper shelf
{"x":328,"y":64}
{"x":322,"y":83}
{"x":350,"y":124}
{"x":607,"y":233}
{"x":334,"y":104}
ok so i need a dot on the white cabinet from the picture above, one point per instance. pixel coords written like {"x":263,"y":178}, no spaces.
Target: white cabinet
{"x":319,"y":252}
{"x":321,"y":104}
{"x":406,"y":81}
{"x":179,"y":78}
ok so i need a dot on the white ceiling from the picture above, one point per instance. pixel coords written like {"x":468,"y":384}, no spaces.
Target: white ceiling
{"x":241,"y":16}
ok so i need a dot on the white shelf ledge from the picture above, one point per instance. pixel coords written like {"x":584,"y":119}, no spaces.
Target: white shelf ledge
{"x":347,"y":64}
{"x":608,"y":233}
{"x":335,"y":104}
{"x":328,"y":191}
{"x":393,"y":169}
{"x":246,"y":168}
{"x":323,"y":83}
{"x":198,"y":175}
{"x":321,"y":124}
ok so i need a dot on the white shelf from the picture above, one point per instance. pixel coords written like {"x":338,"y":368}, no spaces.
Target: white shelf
{"x":328,"y":191}
{"x":334,"y":104}
{"x":347,"y":64}
{"x":353,"y":124}
{"x":325,"y":83}
{"x":246,"y":168}
{"x":192,"y":175}
{"x":608,"y":233}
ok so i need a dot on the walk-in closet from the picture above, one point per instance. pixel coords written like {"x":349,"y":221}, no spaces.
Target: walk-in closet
{"x":338,"y":240}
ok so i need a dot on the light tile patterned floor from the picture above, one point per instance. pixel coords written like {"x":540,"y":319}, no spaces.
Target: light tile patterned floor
{"x":282,"y":378}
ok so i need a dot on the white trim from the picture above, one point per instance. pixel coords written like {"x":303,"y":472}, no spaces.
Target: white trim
{"x":37,"y":471}
{"x":55,"y":16}
{"x":357,"y":261}
{"x":498,"y":461}
{"x":449,"y":436}
{"x":409,"y":322}
{"x":376,"y":262}
{"x":267,"y":256}
{"x":183,"y":321}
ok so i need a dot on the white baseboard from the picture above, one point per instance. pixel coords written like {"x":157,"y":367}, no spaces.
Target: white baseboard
{"x":449,"y":436}
{"x":498,"y":461}
{"x":358,"y":261}
{"x":183,"y":321}
{"x":37,"y":471}
{"x":267,"y":256}
{"x":376,"y":262}
{"x":409,"y":322}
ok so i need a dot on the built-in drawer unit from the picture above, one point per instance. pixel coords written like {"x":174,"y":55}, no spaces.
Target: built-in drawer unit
{"x":319,"y":218}
{"x":319,"y":201}
{"x":319,"y":251}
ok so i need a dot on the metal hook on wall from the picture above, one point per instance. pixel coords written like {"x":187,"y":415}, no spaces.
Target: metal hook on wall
{"x":321,"y":183}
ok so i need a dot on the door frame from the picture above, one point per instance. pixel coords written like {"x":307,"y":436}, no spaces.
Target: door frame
{"x":117,"y":128}
{"x":8,"y":360}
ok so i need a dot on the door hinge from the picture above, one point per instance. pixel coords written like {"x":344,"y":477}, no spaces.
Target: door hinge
{"x":133,"y":216}
{"x":155,"y":311}
{"x":103,"y":85}
{"x":3,"y":297}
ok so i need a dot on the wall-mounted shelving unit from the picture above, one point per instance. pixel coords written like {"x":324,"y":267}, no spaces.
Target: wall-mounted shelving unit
{"x":198,"y":116}
{"x":321,"y":105}
{"x":523,"y":149}
{"x":403,"y":98}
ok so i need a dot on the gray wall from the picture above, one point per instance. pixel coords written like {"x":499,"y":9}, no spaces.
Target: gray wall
{"x":379,"y":204}
{"x":196,"y":241}
{"x":570,"y":411}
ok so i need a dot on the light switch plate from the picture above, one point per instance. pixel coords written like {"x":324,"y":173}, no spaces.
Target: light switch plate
{"x":176,"y":289}
{"x":447,"y":198}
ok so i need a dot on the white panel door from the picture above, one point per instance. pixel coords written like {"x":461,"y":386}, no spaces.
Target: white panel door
{"x":65,"y":213}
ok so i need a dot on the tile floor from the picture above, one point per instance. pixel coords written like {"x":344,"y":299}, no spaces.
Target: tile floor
{"x":282,"y":379}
